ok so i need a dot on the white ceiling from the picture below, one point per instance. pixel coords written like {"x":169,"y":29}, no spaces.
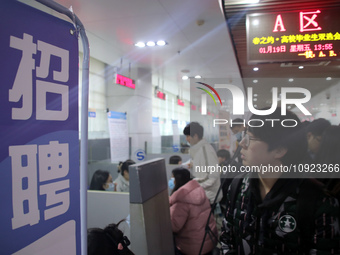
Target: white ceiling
{"x":113,"y":26}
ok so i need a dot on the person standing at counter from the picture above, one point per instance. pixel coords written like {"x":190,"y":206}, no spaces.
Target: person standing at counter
{"x":202,"y":156}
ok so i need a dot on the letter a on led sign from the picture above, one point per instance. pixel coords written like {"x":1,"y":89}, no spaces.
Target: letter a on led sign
{"x":279,"y":23}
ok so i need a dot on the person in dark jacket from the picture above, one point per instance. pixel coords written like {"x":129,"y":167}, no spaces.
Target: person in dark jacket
{"x":224,"y":160}
{"x":329,"y":155}
{"x":107,"y":241}
{"x":314,"y":132}
{"x":270,"y":212}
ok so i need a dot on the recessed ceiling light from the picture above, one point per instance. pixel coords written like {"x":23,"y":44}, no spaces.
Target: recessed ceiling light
{"x":161,"y":43}
{"x":255,"y":81}
{"x":329,"y":78}
{"x":291,"y":80}
{"x":198,"y":77}
{"x":255,"y":22}
{"x":301,"y":67}
{"x":255,"y":95}
{"x":242,"y":2}
{"x":150,"y":43}
{"x":255,"y":99}
{"x":255,"y":69}
{"x":185,"y":77}
{"x":140,"y":44}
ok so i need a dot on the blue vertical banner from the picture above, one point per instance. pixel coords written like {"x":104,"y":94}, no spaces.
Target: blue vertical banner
{"x":39,"y":156}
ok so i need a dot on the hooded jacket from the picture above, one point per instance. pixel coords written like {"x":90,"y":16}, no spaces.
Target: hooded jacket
{"x":204,"y":158}
{"x":189,"y":212}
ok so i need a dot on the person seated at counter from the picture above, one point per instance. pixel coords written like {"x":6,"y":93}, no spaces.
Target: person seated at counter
{"x":189,"y":212}
{"x":175,"y":160}
{"x":102,"y":180}
{"x":122,"y":182}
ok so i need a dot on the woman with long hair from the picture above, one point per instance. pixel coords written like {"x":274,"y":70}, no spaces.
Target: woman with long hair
{"x":102,"y":180}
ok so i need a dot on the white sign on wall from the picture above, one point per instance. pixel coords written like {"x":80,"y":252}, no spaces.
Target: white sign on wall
{"x":156,"y":136}
{"x":119,"y":137}
{"x":176,"y":138}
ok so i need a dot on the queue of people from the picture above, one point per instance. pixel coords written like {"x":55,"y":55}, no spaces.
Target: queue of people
{"x":263,"y":212}
{"x":268,"y":213}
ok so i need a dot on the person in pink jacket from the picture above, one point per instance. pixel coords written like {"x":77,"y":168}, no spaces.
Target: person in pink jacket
{"x":189,"y":212}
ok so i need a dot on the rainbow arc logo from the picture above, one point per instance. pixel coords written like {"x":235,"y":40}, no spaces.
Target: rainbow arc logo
{"x":204,"y":97}
{"x":209,"y":93}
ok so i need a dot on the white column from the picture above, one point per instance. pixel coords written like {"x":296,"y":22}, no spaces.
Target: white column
{"x":137,"y":103}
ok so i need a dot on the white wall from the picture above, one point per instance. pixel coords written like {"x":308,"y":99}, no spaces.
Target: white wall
{"x":140,"y":104}
{"x":325,"y":104}
{"x":98,"y":126}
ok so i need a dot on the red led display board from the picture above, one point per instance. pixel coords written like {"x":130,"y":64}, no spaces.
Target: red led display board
{"x":161,"y":95}
{"x":124,"y":81}
{"x":304,"y":35}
